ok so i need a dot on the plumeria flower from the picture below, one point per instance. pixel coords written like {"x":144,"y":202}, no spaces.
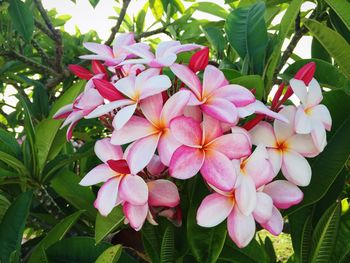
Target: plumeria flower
{"x":112,"y":56}
{"x":205,"y":149}
{"x":165,"y":55}
{"x":85,"y":103}
{"x":253,"y":172}
{"x":119,"y":185}
{"x":135,"y":88}
{"x":161,"y":193}
{"x":286,"y":149}
{"x":311,"y":116}
{"x":126,"y":70}
{"x":151,"y":132}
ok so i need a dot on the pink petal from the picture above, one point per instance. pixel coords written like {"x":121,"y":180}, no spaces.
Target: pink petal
{"x":194,"y":112}
{"x":234,"y":145}
{"x":183,"y":48}
{"x":214,"y":209}
{"x":314,"y":95}
{"x":295,"y":168}
{"x":123,"y":116}
{"x":263,"y":209}
{"x":135,"y":129}
{"x":101,"y":173}
{"x":164,"y":47}
{"x":121,"y":40}
{"x":144,"y":76}
{"x":151,"y":107}
{"x":155,"y":85}
{"x":220,"y":109}
{"x":238,"y":95}
{"x":285,"y":130}
{"x":186,"y":130}
{"x":241,"y":228}
{"x":107,"y":196}
{"x":213,"y":79}
{"x":318,"y":135}
{"x":141,"y":153}
{"x":188,"y":77}
{"x":155,"y":166}
{"x":259,"y":167}
{"x":275,"y":224}
{"x":140,"y":51}
{"x":275,"y":158}
{"x":211,"y":128}
{"x":300,"y":89}
{"x":263,"y":134}
{"x":302,"y":122}
{"x":99,"y":49}
{"x":133,"y":190}
{"x":63,"y":112}
{"x":104,"y":109}
{"x":321,"y":113}
{"x":136,"y":214}
{"x":186,"y":162}
{"x":260,"y":108}
{"x":245,"y":195}
{"x":218,"y":171}
{"x":175,"y":106}
{"x":127,"y":87}
{"x":105,"y":151}
{"x":163,"y":193}
{"x":283,"y":193}
{"x":303,"y":144}
{"x":167,"y":146}
{"x":165,"y":61}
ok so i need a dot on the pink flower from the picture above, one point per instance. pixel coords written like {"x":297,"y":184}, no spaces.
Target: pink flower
{"x":286,"y":149}
{"x":118,"y":183}
{"x":85,"y":103}
{"x":110,"y":56}
{"x":207,"y":150}
{"x":166,"y":54}
{"x":311,"y":116}
{"x":151,"y":132}
{"x":135,"y":88}
{"x":161,"y":193}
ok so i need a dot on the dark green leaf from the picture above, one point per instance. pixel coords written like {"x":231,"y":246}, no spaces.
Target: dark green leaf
{"x":110,"y":255}
{"x":22,"y":19}
{"x":167,"y":248}
{"x":318,"y":51}
{"x":104,"y":225}
{"x":341,"y":7}
{"x":10,"y":142}
{"x":251,"y":82}
{"x":152,"y":241}
{"x":342,"y":246}
{"x":216,"y":39}
{"x":12,"y":226}
{"x":94,"y":3}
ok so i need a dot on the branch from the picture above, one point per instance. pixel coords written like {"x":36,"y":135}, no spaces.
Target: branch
{"x":45,"y":58}
{"x":44,"y":29}
{"x":151,"y":33}
{"x":116,"y":28}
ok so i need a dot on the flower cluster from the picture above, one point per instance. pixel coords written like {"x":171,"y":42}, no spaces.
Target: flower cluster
{"x":195,"y":123}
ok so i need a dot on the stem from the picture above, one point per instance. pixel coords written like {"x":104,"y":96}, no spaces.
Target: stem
{"x":116,"y":28}
{"x":151,"y":33}
{"x":45,"y":58}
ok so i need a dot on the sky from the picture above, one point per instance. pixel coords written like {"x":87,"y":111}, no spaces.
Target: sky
{"x":86,"y":18}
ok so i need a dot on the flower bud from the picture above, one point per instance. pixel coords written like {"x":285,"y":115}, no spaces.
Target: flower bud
{"x":80,"y":72}
{"x":306,"y":73}
{"x":107,"y":90}
{"x":199,"y":60}
{"x":98,"y":68}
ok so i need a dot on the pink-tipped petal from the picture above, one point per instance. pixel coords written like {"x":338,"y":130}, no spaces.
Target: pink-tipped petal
{"x":300,"y":89}
{"x":275,"y":224}
{"x":63,"y":112}
{"x":175,"y":106}
{"x":318,"y":135}
{"x":218,"y":171}
{"x":302,"y":122}
{"x":275,"y":158}
{"x":245,"y":195}
{"x":263,"y":134}
{"x":123,"y":116}
{"x":211,"y":128}
{"x":163,"y":47}
{"x":212,"y":80}
{"x":303,"y":144}
{"x":220,"y":109}
{"x":283,"y":193}
{"x":263,"y":209}
{"x":285,"y":130}
{"x":241,"y":228}
{"x":186,"y":162}
{"x":133,"y":190}
{"x":188,"y":77}
{"x":194,"y":112}
{"x":140,"y":50}
{"x":127,"y":87}
{"x":186,"y":130}
{"x":167,"y":146}
{"x":155,"y":166}
{"x":122,"y":40}
{"x":321,"y":113}
{"x":99,"y":174}
{"x":100,"y":49}
{"x":104,"y":109}
{"x":135,"y":129}
{"x":296,"y":168}
{"x":163,"y":193}
{"x":183,"y":48}
{"x":105,"y":151}
{"x":151,"y":107}
{"x":314,"y":95}
{"x":107,"y":196}
{"x":155,"y":85}
{"x":238,"y":95}
{"x":214,"y":209}
{"x":136,"y":214}
{"x":141,"y":153}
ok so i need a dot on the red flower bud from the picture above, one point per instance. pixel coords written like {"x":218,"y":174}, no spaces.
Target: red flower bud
{"x":306,"y":73}
{"x":98,"y":68}
{"x":199,"y":60}
{"x":120,"y":166}
{"x":107,"y":90}
{"x":80,"y":72}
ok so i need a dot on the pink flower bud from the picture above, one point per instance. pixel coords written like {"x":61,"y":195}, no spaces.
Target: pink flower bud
{"x":306,"y":73}
{"x":107,"y":90}
{"x":199,"y":60}
{"x":120,"y":166}
{"x":98,"y":68}
{"x":80,"y":72}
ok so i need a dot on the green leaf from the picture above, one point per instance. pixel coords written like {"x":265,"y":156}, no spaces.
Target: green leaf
{"x":14,"y":163}
{"x":211,"y":8}
{"x":55,"y":234}
{"x":156,"y":8}
{"x":333,"y":42}
{"x":325,"y":234}
{"x":79,"y":196}
{"x":4,"y":205}
{"x":94,"y":3}
{"x":12,"y":226}
{"x":22,"y":19}
{"x":341,"y":7}
{"x":75,"y":249}
{"x":205,"y":243}
{"x":140,"y":19}
{"x":318,"y":51}
{"x":270,"y":249}
{"x":110,"y":255}
{"x":247,"y":34}
{"x":216,"y":39}
{"x":251,"y":82}
{"x":104,"y":225}
{"x":342,"y":246}
{"x":151,"y":240}
{"x":327,"y":166}
{"x":167,"y":248}
{"x":10,"y":142}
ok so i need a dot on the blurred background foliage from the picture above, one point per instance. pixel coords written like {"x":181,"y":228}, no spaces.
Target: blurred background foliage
{"x":46,"y":216}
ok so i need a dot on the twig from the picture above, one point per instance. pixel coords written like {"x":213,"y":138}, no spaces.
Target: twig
{"x":116,"y":28}
{"x":41,"y":52}
{"x":44,"y":29}
{"x":46,"y":18}
{"x":151,"y":33}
